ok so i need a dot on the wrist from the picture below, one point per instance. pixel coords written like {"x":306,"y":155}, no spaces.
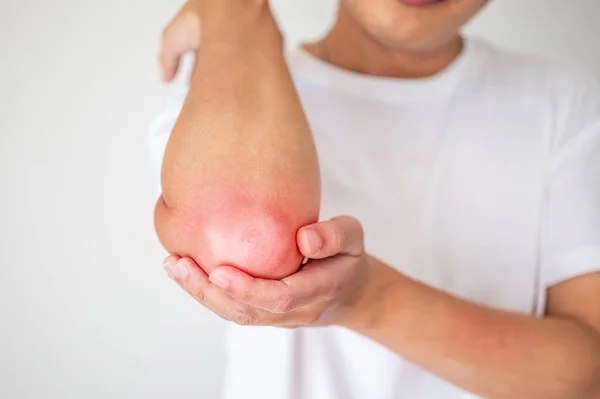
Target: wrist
{"x":235,"y":17}
{"x":376,"y":300}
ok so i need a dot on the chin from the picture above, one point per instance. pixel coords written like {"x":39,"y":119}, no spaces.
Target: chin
{"x":417,"y":25}
{"x":418,"y":42}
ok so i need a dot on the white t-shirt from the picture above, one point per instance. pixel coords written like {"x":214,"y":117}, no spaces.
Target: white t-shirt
{"x":482,"y":181}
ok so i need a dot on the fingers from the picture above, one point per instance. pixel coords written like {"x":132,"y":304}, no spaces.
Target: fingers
{"x":188,"y":275}
{"x":239,"y":297}
{"x":195,"y":282}
{"x":244,"y":300}
{"x":340,"y":235}
{"x":312,"y":284}
{"x":270,"y":295}
{"x":182,"y":35}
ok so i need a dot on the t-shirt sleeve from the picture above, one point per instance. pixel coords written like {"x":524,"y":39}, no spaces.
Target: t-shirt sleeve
{"x":571,"y":218}
{"x":159,"y":131}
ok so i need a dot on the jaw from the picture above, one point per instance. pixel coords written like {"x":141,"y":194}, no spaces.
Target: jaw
{"x":421,"y":3}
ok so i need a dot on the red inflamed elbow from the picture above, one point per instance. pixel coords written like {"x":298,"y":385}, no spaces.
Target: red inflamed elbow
{"x":256,"y":237}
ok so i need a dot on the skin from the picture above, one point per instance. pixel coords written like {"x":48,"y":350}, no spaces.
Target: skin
{"x":240,"y":174}
{"x":492,"y":353}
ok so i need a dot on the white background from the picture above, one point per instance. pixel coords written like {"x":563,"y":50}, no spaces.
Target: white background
{"x":86,"y":310}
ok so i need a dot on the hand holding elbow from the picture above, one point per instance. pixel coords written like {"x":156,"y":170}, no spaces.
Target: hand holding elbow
{"x":258,"y":239}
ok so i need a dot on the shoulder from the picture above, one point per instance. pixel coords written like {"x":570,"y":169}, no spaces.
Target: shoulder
{"x":534,"y":71}
{"x":565,"y":94}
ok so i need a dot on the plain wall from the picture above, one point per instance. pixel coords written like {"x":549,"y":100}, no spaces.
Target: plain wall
{"x":86,"y":310}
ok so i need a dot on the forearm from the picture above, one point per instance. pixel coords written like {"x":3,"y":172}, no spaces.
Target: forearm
{"x":241,"y":86}
{"x":240,"y":172}
{"x":492,"y":353}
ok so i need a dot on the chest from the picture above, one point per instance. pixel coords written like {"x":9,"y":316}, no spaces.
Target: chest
{"x":447,"y":193}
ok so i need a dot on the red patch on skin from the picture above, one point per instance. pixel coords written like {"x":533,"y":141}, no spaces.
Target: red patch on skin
{"x":257,"y":237}
{"x":257,"y":240}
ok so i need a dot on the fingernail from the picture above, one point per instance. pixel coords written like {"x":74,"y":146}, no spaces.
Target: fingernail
{"x":219,"y":280}
{"x":178,"y":271}
{"x":312,"y":241}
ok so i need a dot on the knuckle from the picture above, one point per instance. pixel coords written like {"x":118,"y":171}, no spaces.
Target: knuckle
{"x":358,"y":228}
{"x":339,"y":236}
{"x":329,"y":294}
{"x":244,"y":317}
{"x":284,"y":304}
{"x":348,"y":233}
{"x":199,"y":295}
{"x":244,"y":295}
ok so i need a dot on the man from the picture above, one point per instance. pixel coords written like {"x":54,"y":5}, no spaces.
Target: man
{"x":470,"y":263}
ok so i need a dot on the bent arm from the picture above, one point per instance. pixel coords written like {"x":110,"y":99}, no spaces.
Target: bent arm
{"x":493,"y":353}
{"x":240,"y":172}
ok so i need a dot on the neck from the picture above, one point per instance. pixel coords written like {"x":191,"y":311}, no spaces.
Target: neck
{"x":350,"y":47}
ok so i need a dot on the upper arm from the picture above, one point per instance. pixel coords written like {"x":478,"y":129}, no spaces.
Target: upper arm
{"x":577,"y":298}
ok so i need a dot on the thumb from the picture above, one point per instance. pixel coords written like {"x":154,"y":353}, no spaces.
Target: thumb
{"x":340,"y":235}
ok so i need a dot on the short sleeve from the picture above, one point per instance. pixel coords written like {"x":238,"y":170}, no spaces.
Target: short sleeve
{"x":571,"y":219}
{"x":159,"y":131}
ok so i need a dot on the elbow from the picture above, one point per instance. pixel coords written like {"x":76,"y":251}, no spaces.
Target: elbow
{"x":258,"y":241}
